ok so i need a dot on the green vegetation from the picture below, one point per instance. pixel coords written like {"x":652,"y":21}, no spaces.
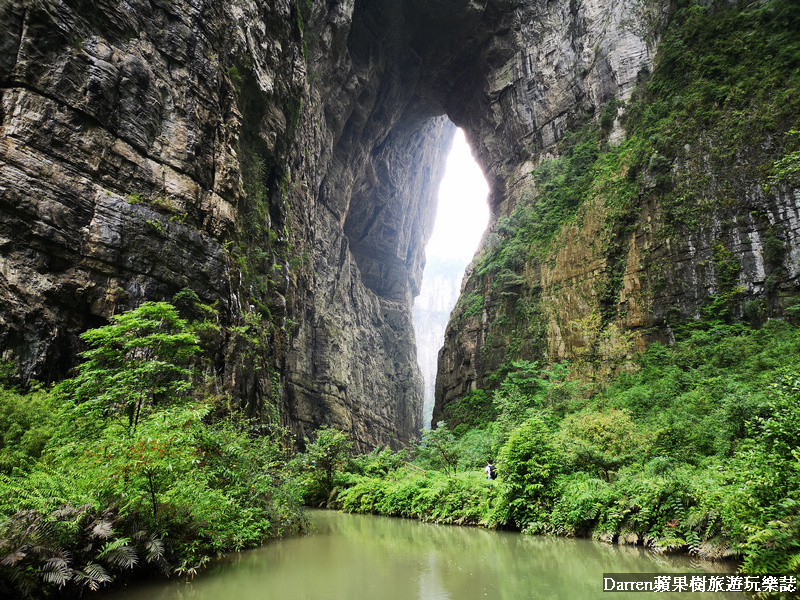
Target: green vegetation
{"x":716,"y":117}
{"x":726,"y":78}
{"x":137,"y":462}
{"x":439,"y":449}
{"x":691,"y":447}
{"x":324,"y":456}
{"x":695,"y":450}
{"x":786,"y":170}
{"x":134,"y":464}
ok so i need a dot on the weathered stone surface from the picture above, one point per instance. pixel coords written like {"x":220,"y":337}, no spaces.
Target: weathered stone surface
{"x":123,"y":138}
{"x":660,"y":272}
{"x":93,"y":112}
{"x":280,"y":158}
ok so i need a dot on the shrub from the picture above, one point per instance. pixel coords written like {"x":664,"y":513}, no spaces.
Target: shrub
{"x":528,"y":465}
{"x":439,"y":449}
{"x":26,"y":424}
{"x":324,"y":457}
{"x":600,"y":443}
{"x":135,"y":472}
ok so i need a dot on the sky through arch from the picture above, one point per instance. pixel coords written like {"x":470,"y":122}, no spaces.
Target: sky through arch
{"x":461,"y":219}
{"x":463,"y":212}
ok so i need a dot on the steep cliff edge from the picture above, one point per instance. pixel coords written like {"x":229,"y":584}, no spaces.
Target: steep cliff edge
{"x":673,"y":203}
{"x":279,"y":159}
{"x":264,"y":155}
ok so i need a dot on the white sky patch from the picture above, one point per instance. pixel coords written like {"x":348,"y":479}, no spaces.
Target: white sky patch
{"x":463,"y":213}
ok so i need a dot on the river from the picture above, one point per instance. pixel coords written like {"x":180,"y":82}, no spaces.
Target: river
{"x":363,"y":557}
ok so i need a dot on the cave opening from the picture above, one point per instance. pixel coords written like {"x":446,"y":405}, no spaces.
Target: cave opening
{"x":461,"y":220}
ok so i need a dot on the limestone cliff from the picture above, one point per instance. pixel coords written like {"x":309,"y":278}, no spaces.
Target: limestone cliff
{"x":654,"y":212}
{"x":279,"y":158}
{"x":274,"y":157}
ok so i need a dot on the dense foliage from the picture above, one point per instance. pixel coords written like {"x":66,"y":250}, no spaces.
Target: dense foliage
{"x":691,"y":447}
{"x":716,"y":117}
{"x":134,"y":463}
{"x":697,"y":450}
{"x":122,"y":468}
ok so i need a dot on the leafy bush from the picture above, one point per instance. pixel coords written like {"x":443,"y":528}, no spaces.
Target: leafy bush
{"x":602,"y":442}
{"x":464,"y":499}
{"x":439,"y":449}
{"x":474,"y":448}
{"x":529,"y":389}
{"x":529,"y":465}
{"x":773,"y":463}
{"x":323,"y":459}
{"x":26,"y":424}
{"x":379,"y":462}
{"x":129,"y":470}
{"x":475,"y":409}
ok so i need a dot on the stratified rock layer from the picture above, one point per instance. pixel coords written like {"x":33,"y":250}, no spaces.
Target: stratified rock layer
{"x":280,"y":159}
{"x":701,"y":232}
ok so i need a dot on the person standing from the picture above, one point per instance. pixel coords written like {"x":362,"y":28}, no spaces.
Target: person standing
{"x":489,"y":470}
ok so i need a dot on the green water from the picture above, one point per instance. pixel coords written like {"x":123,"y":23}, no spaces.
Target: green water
{"x":357,"y":557}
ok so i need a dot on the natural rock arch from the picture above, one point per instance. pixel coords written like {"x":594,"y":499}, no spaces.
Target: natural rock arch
{"x":280,"y":159}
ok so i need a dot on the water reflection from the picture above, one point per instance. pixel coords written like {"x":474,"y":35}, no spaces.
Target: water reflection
{"x":356,"y":557}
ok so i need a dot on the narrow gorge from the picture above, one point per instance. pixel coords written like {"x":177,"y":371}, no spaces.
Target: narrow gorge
{"x":214,"y":219}
{"x":280,"y":160}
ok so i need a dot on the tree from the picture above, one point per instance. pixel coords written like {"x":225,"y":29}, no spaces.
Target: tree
{"x":143,"y":358}
{"x":526,"y":389}
{"x":328,"y":453}
{"x":529,"y":465}
{"x":440,"y":447}
{"x":602,"y":442}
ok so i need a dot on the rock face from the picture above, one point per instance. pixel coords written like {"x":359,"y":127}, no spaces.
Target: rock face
{"x":105,"y":134}
{"x":272,"y":157}
{"x":696,"y":231}
{"x":280,"y":159}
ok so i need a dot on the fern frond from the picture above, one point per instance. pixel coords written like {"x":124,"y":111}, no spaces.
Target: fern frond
{"x":120,"y":553}
{"x":13,"y":558}
{"x":92,"y":576}
{"x":154,"y":547}
{"x":63,"y":512}
{"x":102,"y":529}
{"x":56,"y":571}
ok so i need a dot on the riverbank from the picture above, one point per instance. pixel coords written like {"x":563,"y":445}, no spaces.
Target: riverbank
{"x":693,"y":449}
{"x":134,"y":467}
{"x":363,"y":557}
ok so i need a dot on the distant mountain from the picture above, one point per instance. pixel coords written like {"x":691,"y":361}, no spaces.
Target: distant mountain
{"x":441,"y":285}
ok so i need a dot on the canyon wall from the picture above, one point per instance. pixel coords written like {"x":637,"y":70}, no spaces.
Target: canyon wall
{"x":280,"y":159}
{"x":670,"y":207}
{"x":274,"y":158}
